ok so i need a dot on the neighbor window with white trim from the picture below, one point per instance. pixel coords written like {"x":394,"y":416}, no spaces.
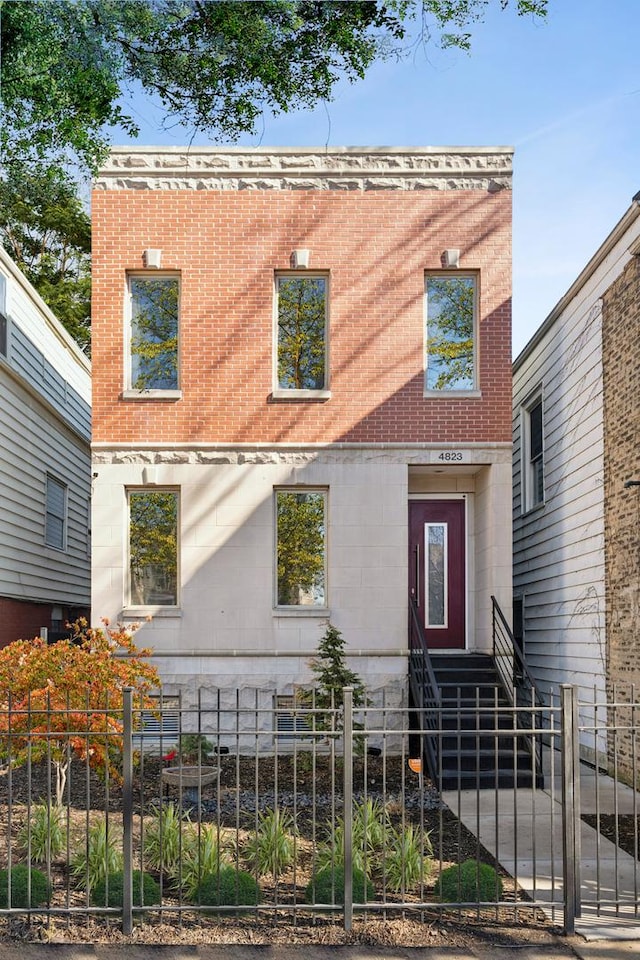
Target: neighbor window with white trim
{"x":301,"y":333}
{"x":451,"y":306}
{"x":301,"y":555}
{"x":56,"y":514}
{"x":153,"y":547}
{"x":153,"y":332}
{"x":532,"y":443}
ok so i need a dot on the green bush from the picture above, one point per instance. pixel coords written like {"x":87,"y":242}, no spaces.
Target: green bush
{"x":21,"y":877}
{"x":108,"y":891}
{"x":469,"y":882}
{"x":204,"y":851}
{"x":327,"y":886}
{"x":228,"y":887}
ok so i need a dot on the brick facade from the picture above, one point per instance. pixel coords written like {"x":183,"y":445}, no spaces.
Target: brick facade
{"x":376,"y":246}
{"x":22,"y":620}
{"x":621,"y":372}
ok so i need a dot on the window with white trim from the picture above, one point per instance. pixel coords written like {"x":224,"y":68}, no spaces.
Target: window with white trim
{"x":301,"y":558}
{"x":153,"y":547}
{"x":56,"y":514}
{"x":532,"y":453}
{"x":153,"y":332}
{"x":451,"y":307}
{"x":301,"y":333}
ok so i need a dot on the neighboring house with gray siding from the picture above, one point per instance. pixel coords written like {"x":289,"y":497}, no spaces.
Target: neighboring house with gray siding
{"x":576,"y":423}
{"x":45,"y":466}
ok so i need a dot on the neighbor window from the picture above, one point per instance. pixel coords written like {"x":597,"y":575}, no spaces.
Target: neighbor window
{"x":301,"y":333}
{"x":3,"y":315}
{"x":56,"y":514}
{"x":301,"y":548}
{"x":153,"y":547}
{"x":533,"y":453}
{"x":153,"y":333}
{"x":450,"y":334}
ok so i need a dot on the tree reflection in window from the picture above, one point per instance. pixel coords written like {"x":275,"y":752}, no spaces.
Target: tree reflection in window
{"x":300,"y":535}
{"x":153,"y":547}
{"x":154,"y":333}
{"x":450,"y":333}
{"x":301,"y":333}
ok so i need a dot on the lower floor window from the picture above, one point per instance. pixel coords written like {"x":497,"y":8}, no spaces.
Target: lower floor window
{"x":153,"y":547}
{"x":300,"y":548}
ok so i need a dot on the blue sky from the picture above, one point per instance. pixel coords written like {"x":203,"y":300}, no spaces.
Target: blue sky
{"x":564,"y":92}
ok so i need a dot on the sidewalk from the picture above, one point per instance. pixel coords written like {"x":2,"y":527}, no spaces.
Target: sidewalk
{"x":523,"y":830}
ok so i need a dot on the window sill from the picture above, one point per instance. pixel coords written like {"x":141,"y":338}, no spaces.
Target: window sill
{"x":301,"y":395}
{"x":452,"y":394}
{"x":302,"y":611}
{"x":534,"y":509}
{"x":151,"y":395}
{"x":150,"y":612}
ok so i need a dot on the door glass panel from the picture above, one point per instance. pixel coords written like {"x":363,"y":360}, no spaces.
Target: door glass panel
{"x":436,"y":574}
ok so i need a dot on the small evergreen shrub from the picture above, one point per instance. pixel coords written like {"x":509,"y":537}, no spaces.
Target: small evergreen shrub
{"x":228,"y":887}
{"x":21,"y":878}
{"x":469,"y":882}
{"x":108,"y":891}
{"x":327,"y":886}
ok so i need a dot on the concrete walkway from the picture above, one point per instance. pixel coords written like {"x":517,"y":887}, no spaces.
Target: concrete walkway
{"x":523,"y":830}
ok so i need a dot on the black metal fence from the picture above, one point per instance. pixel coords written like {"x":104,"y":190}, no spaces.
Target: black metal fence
{"x":271,"y":808}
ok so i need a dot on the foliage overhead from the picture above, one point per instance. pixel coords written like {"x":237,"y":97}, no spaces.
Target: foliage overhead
{"x":65,"y":700}
{"x":216,"y":67}
{"x":47,"y":233}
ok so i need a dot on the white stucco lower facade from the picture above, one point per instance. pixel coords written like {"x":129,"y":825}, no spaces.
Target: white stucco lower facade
{"x":225,"y":631}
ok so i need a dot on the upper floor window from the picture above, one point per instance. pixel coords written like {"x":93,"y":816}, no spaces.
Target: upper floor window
{"x":533,"y":453}
{"x":451,"y":333}
{"x":153,"y":332}
{"x":3,"y":315}
{"x":56,"y":514}
{"x":301,"y":548}
{"x":153,"y":547}
{"x":301,"y":315}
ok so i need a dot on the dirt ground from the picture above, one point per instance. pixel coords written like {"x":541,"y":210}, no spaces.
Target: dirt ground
{"x":399,"y":927}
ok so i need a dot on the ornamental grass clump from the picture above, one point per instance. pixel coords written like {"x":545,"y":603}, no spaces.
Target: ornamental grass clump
{"x":100,"y":855}
{"x":42,"y":838}
{"x":165,"y":837}
{"x":271,"y":848}
{"x":204,"y":851}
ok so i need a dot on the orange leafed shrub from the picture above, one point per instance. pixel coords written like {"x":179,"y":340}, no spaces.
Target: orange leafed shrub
{"x":65,"y":700}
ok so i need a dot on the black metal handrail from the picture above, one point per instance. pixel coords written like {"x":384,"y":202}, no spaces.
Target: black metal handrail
{"x":424,"y":688}
{"x":516,"y":680}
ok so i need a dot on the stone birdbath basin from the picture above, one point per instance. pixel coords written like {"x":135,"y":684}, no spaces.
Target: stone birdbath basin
{"x":189,"y":779}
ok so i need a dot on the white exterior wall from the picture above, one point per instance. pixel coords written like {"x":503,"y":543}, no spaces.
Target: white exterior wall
{"x":559,"y":546}
{"x":44,"y":428}
{"x":226,"y":632}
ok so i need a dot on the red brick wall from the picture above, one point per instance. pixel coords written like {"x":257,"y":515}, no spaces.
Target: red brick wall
{"x":22,"y":620}
{"x":376,"y":246}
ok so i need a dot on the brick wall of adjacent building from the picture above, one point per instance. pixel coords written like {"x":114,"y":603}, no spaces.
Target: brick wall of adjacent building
{"x":621,"y":359}
{"x":376,"y":246}
{"x":23,"y":620}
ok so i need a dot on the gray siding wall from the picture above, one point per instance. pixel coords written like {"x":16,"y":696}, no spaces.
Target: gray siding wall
{"x":559,"y":545}
{"x":44,"y":429}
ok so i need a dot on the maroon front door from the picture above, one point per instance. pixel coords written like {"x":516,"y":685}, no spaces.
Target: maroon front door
{"x":437,"y":566}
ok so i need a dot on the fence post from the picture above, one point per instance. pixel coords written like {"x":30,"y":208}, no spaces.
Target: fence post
{"x":127,"y":810}
{"x":347,"y":731}
{"x":570,"y":806}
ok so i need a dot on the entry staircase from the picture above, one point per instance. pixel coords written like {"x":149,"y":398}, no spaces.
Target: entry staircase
{"x":466,"y":700}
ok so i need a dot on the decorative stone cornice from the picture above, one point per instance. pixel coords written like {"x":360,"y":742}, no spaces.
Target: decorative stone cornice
{"x":478,"y":454}
{"x":305,"y":168}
